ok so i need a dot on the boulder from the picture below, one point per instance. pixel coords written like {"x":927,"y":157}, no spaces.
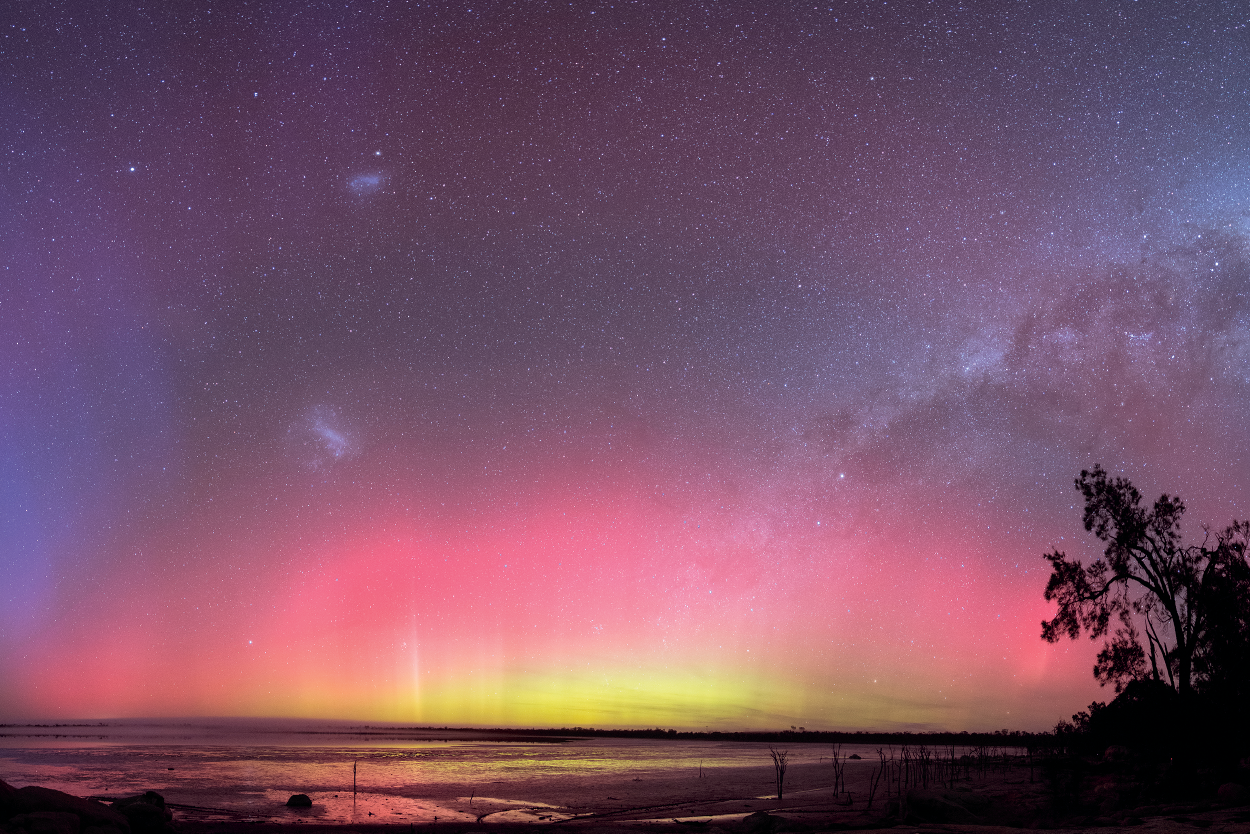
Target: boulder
{"x":299,"y":800}
{"x":33,"y":799}
{"x":145,"y":818}
{"x":47,"y":822}
{"x":146,"y":812}
{"x":758,"y":823}
{"x":1231,"y":793}
{"x":8,"y":798}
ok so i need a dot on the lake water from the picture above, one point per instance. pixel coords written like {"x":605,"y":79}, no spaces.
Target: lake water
{"x":240,"y":769}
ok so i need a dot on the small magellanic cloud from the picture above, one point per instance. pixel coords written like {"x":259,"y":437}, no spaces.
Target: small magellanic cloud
{"x":364,"y":185}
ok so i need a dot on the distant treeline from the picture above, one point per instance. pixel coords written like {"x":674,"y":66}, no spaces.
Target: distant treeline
{"x":22,"y":726}
{"x":998,"y":738}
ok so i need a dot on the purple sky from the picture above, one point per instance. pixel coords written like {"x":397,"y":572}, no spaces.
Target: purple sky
{"x":601,"y":364}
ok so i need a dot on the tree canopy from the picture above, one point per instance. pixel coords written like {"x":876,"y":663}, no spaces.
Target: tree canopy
{"x":1166,"y":611}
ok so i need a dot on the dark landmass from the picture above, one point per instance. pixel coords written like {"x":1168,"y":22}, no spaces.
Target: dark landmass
{"x":1004,"y":737}
{"x":998,"y":738}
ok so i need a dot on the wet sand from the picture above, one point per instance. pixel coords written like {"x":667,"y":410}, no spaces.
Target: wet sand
{"x":1214,"y":821}
{"x":717,"y":803}
{"x":533,"y":797}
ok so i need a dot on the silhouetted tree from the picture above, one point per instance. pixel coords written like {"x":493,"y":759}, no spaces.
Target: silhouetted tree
{"x":1186,"y":600}
{"x":1222,"y":662}
{"x":779,"y":767}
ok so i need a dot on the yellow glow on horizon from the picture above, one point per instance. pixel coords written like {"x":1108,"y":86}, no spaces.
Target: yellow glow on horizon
{"x":695,"y":699}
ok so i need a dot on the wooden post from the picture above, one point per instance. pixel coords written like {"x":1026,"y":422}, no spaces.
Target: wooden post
{"x":353,"y":779}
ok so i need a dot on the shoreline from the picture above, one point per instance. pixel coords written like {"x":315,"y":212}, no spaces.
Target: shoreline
{"x":928,"y":811}
{"x":921,"y":810}
{"x":1178,"y":821}
{"x":335,"y":730}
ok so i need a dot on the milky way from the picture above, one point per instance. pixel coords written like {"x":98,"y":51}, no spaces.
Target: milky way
{"x":607,"y":364}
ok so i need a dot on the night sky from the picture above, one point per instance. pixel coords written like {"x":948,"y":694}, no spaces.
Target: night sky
{"x":720,"y":364}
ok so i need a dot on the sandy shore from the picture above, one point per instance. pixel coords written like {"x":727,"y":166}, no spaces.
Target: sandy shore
{"x":734,"y":800}
{"x":1215,"y":821}
{"x":993,"y":803}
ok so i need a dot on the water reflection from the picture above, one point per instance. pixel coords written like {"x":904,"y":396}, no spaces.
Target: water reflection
{"x":460,"y":777}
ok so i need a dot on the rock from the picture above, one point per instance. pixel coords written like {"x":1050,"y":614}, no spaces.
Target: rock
{"x":8,"y":798}
{"x":932,"y":806}
{"x":758,"y":823}
{"x":32,"y":799}
{"x":299,"y":800}
{"x":145,"y":818}
{"x":146,"y":812}
{"x":1231,"y":793}
{"x":855,"y":756}
{"x":47,"y":822}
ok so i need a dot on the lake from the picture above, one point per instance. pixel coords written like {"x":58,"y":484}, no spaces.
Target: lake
{"x":242,"y":769}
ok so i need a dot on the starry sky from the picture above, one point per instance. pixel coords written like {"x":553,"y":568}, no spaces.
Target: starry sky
{"x":695,"y":364}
